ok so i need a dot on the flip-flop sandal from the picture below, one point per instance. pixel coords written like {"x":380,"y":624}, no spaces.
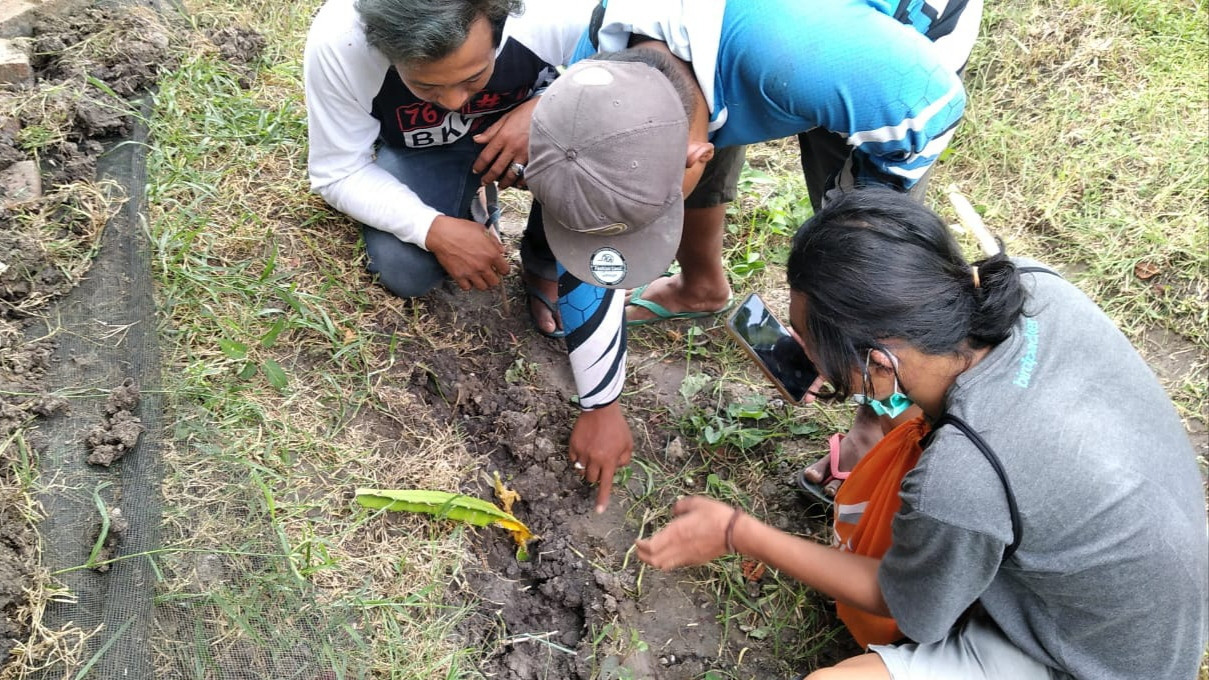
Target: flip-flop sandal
{"x":817,"y":490}
{"x":536,"y":294}
{"x":663,"y":313}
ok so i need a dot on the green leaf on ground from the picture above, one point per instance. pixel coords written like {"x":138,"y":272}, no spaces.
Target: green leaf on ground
{"x":445,"y":505}
{"x":275,"y":374}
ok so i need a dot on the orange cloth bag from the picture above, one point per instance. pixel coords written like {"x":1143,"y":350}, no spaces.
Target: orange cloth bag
{"x":864,"y":507}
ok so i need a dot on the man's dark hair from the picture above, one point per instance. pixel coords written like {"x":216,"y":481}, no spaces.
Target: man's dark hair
{"x":421,"y":31}
{"x":874,"y":265}
{"x":662,"y":62}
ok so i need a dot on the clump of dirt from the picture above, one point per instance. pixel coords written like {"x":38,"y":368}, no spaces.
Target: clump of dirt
{"x":119,"y":429}
{"x":237,"y":44}
{"x":240,"y":47}
{"x":17,"y":552}
{"x":123,"y":47}
{"x":23,"y":367}
{"x":112,"y":538}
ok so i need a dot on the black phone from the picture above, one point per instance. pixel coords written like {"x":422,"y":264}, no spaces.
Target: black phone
{"x":774,"y":349}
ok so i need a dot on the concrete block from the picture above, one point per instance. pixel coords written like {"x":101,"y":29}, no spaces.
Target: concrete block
{"x":14,"y":60}
{"x":17,"y":17}
{"x":20,"y":182}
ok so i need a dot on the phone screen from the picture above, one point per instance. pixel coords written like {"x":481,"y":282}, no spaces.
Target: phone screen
{"x":780,"y":355}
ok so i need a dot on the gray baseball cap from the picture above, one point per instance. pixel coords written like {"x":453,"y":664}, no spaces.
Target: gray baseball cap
{"x":606,"y":159}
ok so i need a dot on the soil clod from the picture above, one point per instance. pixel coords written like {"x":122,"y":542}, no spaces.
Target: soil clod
{"x":119,"y":430}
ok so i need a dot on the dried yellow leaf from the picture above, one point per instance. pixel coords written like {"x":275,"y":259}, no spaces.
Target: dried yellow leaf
{"x":505,"y":495}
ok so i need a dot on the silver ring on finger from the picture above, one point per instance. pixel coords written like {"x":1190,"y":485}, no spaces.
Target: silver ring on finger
{"x":578,"y":465}
{"x":517,"y":169}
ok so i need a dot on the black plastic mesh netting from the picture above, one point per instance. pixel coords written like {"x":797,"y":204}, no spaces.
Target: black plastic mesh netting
{"x":106,"y":332}
{"x":168,"y":605}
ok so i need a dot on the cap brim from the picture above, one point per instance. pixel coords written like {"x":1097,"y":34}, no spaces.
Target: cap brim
{"x":645,"y":253}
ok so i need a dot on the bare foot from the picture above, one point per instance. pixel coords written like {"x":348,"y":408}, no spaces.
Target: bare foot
{"x":671,"y":293}
{"x":544,"y":318}
{"x":819,"y":470}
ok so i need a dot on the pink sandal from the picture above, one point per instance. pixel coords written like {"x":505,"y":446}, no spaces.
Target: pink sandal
{"x":833,"y":444}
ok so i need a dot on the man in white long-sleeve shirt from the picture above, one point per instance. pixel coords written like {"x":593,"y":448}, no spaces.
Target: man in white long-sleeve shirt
{"x":414,"y":105}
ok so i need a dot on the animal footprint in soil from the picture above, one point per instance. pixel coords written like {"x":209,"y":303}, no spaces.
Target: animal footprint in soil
{"x":119,"y":429}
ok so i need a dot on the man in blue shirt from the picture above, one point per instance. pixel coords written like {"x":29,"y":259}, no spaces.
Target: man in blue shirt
{"x":874,"y":87}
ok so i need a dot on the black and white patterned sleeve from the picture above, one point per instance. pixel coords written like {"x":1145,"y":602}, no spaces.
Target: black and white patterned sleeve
{"x":594,"y":319}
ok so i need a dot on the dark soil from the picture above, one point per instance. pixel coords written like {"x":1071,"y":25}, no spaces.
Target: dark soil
{"x":17,"y":553}
{"x":22,"y":368}
{"x":581,"y":607}
{"x":89,"y":66}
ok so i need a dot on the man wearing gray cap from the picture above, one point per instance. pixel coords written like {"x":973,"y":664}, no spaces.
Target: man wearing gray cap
{"x":635,"y":152}
{"x":413,"y":106}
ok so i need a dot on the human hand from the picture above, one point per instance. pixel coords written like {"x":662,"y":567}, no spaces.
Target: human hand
{"x":696,"y":536}
{"x":601,"y":442}
{"x":469,"y":252}
{"x":507,"y":142}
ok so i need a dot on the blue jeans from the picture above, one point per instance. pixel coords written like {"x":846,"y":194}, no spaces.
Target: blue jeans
{"x":442,"y":178}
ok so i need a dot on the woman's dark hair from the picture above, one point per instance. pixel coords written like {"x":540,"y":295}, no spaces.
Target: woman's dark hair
{"x":662,"y":62}
{"x":421,"y":31}
{"x":874,"y":265}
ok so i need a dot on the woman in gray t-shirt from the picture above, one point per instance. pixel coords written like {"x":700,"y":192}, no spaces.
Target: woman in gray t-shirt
{"x":1055,"y":524}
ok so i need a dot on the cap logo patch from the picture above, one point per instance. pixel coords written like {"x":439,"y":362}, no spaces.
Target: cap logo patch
{"x":607,"y":266}
{"x":593,"y":75}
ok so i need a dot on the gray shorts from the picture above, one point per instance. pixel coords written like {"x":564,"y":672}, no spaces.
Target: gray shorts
{"x":974,"y":650}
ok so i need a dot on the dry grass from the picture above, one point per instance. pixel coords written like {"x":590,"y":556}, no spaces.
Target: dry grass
{"x":54,"y":239}
{"x":44,"y":648}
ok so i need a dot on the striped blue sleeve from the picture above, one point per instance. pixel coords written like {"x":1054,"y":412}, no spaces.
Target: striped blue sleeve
{"x":594,"y":319}
{"x":899,"y":154}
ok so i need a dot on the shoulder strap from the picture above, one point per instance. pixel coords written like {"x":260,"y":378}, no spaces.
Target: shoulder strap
{"x":1038,"y":270}
{"x":987,"y":452}
{"x":940,"y":23}
{"x":980,"y":443}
